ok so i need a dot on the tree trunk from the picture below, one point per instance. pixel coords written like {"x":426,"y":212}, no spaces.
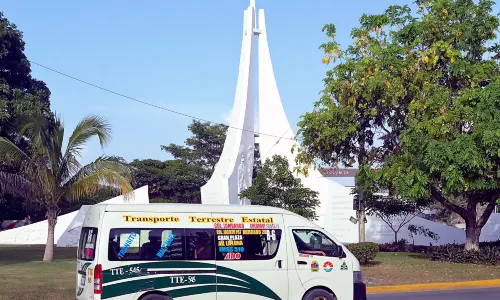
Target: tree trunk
{"x":395,"y":237}
{"x":362,"y":215}
{"x":472,"y":234}
{"x":473,"y":224}
{"x":48,"y":256}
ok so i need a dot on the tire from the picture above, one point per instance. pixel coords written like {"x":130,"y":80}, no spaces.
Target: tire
{"x":155,"y":297}
{"x":318,"y":294}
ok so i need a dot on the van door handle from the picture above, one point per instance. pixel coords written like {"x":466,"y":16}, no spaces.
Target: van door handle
{"x":279,"y":263}
{"x":301,"y":262}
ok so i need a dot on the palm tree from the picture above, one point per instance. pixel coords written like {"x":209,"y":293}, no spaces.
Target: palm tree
{"x":50,"y":175}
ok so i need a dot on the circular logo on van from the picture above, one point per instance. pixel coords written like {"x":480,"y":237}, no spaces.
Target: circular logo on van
{"x":328,"y":266}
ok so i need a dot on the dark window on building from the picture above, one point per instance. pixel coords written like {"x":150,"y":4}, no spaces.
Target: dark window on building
{"x":314,"y":242}
{"x":87,"y":245}
{"x":247,"y":244}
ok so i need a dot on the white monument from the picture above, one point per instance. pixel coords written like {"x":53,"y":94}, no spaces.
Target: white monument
{"x":233,"y":173}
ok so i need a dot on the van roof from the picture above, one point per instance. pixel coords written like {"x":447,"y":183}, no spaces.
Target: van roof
{"x":193,"y":208}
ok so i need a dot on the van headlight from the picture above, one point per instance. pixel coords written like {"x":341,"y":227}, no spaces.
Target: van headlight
{"x":356,"y":276}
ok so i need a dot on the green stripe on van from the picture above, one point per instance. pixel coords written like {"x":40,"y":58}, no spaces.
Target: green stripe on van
{"x":241,"y":283}
{"x":107,"y":277}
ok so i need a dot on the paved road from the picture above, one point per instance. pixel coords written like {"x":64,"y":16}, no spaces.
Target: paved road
{"x":469,"y":294}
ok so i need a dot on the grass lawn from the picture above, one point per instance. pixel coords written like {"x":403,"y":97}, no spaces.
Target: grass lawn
{"x":409,"y":268}
{"x":24,"y":276}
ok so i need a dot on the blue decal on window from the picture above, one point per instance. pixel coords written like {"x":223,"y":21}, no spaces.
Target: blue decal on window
{"x":165,"y":245}
{"x":127,"y":244}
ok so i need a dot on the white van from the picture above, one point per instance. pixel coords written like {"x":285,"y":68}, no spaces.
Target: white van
{"x":210,"y":252}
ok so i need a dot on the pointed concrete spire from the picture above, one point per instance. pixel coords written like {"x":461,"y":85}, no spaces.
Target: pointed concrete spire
{"x":233,"y":172}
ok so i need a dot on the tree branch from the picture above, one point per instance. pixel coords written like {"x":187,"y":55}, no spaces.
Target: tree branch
{"x":446,"y":203}
{"x":487,"y":212}
{"x":406,"y":221}
{"x":388,"y":221}
{"x":385,"y":129}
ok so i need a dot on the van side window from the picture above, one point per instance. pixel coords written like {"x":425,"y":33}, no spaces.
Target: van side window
{"x":314,"y":242}
{"x":87,"y":245}
{"x":200,"y":244}
{"x":247,"y":244}
{"x":146,"y":244}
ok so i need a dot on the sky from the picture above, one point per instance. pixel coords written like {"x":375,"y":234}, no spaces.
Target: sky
{"x":179,"y":54}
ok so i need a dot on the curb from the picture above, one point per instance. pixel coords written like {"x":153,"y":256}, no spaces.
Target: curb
{"x":432,"y":286}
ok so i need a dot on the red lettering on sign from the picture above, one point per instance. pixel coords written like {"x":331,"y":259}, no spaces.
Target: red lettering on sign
{"x":233,"y":226}
{"x":232,"y":256}
{"x":257,"y":226}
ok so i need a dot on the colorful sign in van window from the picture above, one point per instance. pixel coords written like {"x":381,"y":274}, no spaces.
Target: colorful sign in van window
{"x":236,"y":244}
{"x":230,"y":243}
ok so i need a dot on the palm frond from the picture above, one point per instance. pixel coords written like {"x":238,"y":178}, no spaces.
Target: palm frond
{"x":89,"y":185}
{"x":101,"y":163}
{"x":9,"y":152}
{"x":90,"y":126}
{"x":69,"y":167}
{"x":43,"y":139}
{"x":58,"y":137}
{"x":16,"y":184}
{"x":36,"y":128}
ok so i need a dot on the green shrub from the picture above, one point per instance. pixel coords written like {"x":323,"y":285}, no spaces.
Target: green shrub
{"x":364,"y":252}
{"x":456,"y":253}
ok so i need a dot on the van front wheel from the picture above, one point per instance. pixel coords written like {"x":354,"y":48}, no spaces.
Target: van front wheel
{"x":319,"y":294}
{"x":156,"y":297}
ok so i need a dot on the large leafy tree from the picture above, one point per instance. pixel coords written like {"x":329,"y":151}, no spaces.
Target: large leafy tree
{"x":449,"y":151}
{"x":180,"y":179}
{"x":49,"y":174}
{"x":169,"y":181}
{"x":429,"y":87}
{"x":275,"y":185}
{"x":203,"y":148}
{"x":363,"y":105}
{"x":20,"y":93}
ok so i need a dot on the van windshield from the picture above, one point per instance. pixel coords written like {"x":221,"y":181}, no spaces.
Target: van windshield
{"x":87,"y":245}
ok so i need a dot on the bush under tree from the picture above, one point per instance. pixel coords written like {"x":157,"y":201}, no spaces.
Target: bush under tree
{"x":364,"y":252}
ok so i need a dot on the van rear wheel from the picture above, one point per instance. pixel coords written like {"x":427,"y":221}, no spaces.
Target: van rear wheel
{"x":155,"y":297}
{"x":319,"y":294}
